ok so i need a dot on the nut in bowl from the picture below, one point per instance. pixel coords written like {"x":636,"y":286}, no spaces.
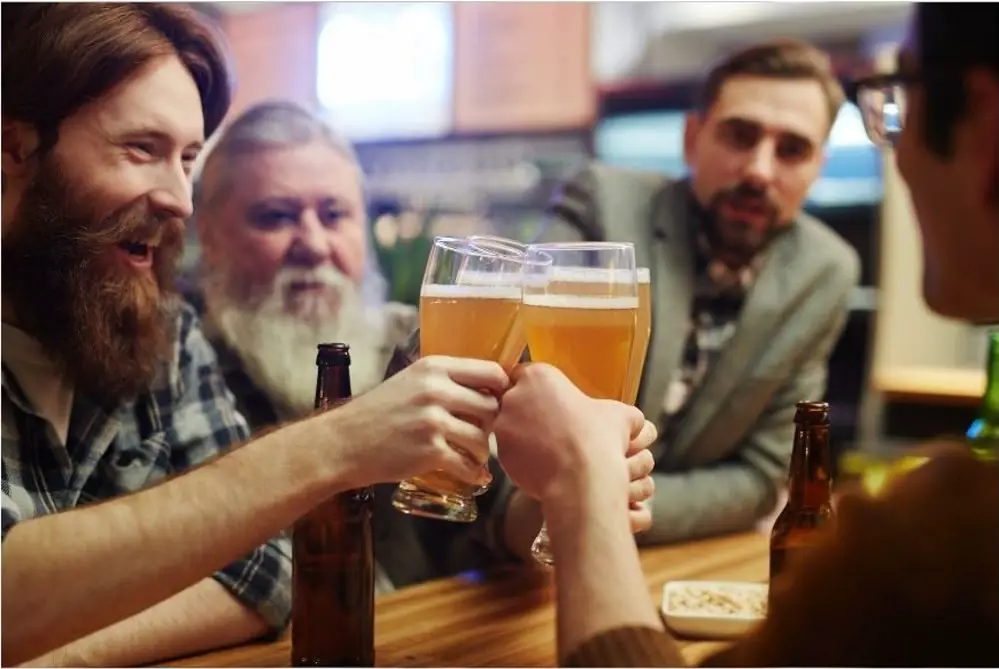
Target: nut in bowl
{"x":713,"y":609}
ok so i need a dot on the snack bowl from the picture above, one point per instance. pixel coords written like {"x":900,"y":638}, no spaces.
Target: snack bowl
{"x":713,"y":609}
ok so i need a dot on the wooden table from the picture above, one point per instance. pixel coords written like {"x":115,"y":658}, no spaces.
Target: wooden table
{"x":508,"y":619}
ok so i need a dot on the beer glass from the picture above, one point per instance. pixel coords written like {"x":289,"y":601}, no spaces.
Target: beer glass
{"x":643,"y":332}
{"x":469,"y":303}
{"x":580,"y":314}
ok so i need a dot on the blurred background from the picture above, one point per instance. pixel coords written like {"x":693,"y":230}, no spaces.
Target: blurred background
{"x":467,"y":115}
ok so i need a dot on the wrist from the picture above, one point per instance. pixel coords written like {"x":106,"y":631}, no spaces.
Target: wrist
{"x":320,"y":459}
{"x":583,"y":493}
{"x":595,"y":518}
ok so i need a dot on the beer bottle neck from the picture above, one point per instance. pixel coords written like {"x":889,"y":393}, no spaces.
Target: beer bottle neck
{"x":332,"y":385}
{"x":990,"y":401}
{"x":810,"y":482}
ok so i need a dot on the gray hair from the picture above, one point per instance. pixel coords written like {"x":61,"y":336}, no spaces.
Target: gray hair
{"x":271,"y":125}
{"x":267,"y":125}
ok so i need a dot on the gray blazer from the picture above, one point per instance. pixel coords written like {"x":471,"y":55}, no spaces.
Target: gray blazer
{"x":731,"y":453}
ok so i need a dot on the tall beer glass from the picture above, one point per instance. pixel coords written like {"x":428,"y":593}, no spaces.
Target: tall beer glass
{"x":580,"y":315}
{"x":469,"y":303}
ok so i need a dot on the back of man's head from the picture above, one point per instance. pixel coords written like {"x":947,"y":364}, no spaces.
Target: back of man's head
{"x":950,"y":40}
{"x":59,"y":56}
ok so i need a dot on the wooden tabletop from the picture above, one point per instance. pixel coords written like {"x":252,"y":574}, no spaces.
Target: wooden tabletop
{"x":931,"y":385}
{"x":508,"y":618}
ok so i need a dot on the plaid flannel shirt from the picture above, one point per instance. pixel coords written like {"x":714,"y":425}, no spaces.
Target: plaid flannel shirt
{"x":187,"y":417}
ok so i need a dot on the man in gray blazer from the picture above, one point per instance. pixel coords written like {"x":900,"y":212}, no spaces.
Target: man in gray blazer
{"x":749,"y":293}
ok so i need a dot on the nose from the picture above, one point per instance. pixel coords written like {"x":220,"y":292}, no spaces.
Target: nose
{"x":762,"y":163}
{"x":310,"y":246}
{"x":173,"y":195}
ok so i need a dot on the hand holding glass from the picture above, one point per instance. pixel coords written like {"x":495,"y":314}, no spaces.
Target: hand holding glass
{"x":580,"y":315}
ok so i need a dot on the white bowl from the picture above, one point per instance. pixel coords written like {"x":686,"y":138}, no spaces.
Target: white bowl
{"x":688,"y":610}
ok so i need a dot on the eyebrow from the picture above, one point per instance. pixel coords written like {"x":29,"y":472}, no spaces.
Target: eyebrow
{"x":267,"y":202}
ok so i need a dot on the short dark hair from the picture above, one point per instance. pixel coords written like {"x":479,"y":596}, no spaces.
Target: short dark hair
{"x":784,"y":58}
{"x":950,"y":39}
{"x":57,"y":57}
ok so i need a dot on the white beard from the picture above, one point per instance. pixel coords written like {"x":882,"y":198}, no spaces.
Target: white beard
{"x":278,"y":346}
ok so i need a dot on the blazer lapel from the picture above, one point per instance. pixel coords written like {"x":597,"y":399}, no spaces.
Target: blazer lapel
{"x":760,"y":315}
{"x":672,"y":274}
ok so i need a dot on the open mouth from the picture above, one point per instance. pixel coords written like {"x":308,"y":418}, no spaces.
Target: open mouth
{"x":139,"y":253}
{"x":306,"y":286}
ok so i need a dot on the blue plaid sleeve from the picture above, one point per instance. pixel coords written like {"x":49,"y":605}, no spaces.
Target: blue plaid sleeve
{"x":207,"y":424}
{"x":11,"y":514}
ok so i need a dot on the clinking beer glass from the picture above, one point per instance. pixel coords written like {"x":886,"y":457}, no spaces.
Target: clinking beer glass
{"x":469,"y":307}
{"x":580,"y":315}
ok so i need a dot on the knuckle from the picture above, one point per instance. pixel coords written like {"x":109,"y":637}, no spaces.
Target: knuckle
{"x":432,"y":420}
{"x":430,"y":389}
{"x":433,"y":365}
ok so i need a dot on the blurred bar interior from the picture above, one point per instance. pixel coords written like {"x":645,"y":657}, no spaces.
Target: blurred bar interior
{"x":467,"y":115}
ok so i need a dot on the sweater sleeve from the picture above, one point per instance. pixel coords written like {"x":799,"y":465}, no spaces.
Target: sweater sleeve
{"x":627,"y":647}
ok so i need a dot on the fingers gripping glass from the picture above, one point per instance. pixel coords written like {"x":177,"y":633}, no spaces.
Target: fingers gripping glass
{"x":469,"y":302}
{"x":580,"y":315}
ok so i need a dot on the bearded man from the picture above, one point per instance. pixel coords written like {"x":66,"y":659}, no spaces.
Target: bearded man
{"x":139,"y":520}
{"x":749,"y":294}
{"x":285,"y":261}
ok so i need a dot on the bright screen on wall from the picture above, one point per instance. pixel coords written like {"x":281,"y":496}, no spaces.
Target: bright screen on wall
{"x":384,"y":69}
{"x":654,"y":141}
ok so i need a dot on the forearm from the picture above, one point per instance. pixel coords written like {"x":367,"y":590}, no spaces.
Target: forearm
{"x":591,"y":538}
{"x":195,"y":620}
{"x":110,"y":561}
{"x":705,"y":502}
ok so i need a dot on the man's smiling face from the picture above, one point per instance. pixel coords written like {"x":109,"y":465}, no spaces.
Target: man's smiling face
{"x":90,"y":251}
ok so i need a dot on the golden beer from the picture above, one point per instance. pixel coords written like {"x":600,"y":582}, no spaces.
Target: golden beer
{"x":469,"y":321}
{"x":589,"y":338}
{"x":474,"y":320}
{"x":643,"y":331}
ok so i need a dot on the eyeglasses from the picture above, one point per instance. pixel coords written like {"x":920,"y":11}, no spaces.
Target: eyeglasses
{"x":882,"y":99}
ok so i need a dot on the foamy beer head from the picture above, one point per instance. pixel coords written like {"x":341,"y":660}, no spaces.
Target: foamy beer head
{"x":596,"y":281}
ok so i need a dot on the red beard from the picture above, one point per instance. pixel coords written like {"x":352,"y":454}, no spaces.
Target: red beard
{"x":111,"y":327}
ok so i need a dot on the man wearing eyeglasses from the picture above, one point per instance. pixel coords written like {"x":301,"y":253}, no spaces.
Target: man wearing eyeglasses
{"x":909,"y":578}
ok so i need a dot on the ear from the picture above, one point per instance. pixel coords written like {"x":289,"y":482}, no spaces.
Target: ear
{"x":19,"y":141}
{"x":693,"y":124}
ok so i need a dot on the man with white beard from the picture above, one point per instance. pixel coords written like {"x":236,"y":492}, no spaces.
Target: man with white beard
{"x":285,"y":263}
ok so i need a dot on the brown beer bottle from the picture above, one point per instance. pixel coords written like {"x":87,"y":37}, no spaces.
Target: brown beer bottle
{"x":333,"y":578}
{"x":809,"y":500}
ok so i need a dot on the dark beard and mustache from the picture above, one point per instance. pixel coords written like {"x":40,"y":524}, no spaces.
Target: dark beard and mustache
{"x":109,"y":329}
{"x":735,"y":240}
